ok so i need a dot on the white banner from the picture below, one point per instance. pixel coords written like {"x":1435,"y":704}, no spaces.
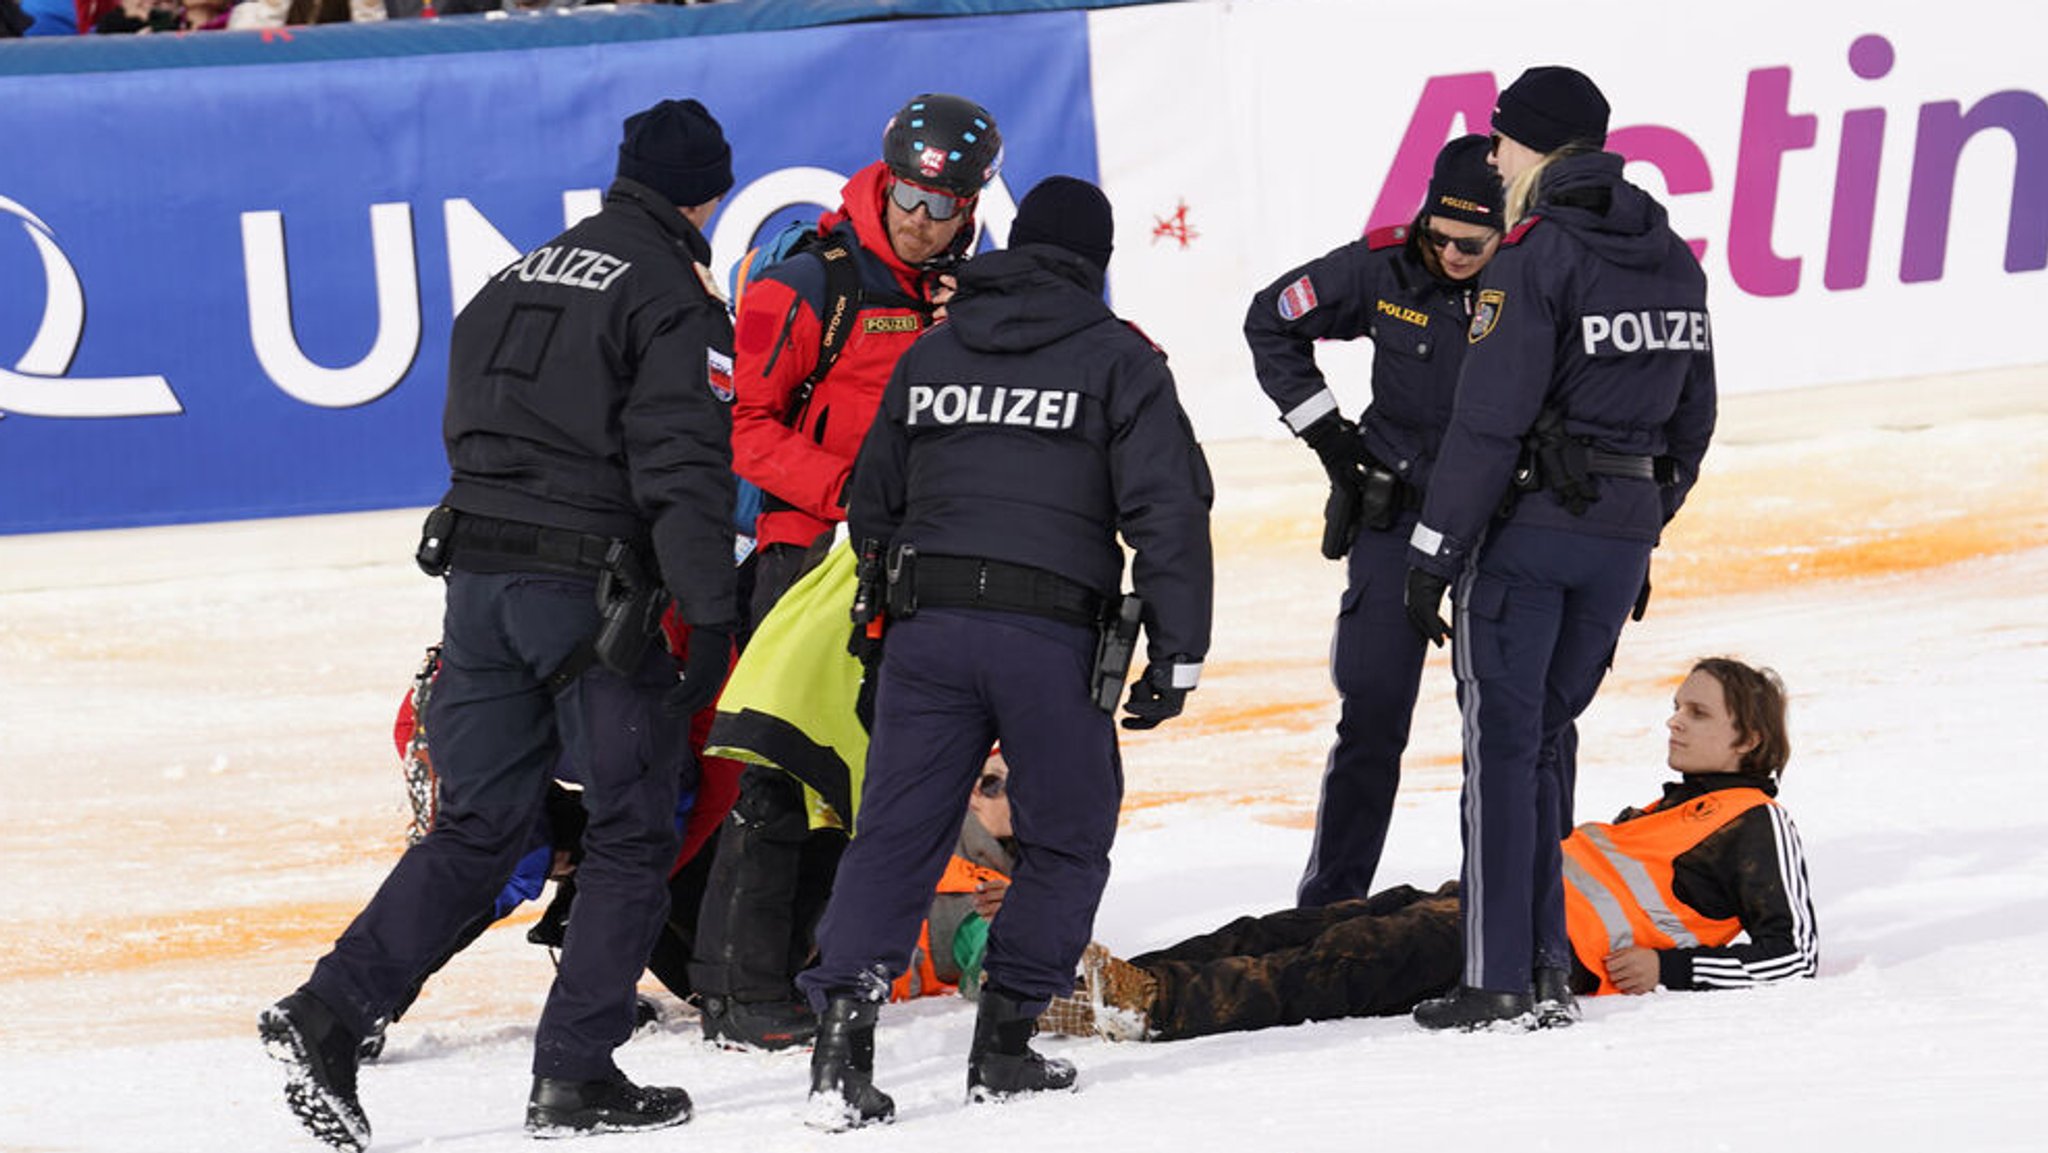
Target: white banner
{"x":1868,"y":184}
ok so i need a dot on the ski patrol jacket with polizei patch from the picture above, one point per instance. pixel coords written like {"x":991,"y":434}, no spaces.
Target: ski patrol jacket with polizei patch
{"x":1380,"y":288}
{"x":1714,"y":858}
{"x":1033,"y":426}
{"x":590,"y":388}
{"x":799,"y":448}
{"x":1596,"y":308}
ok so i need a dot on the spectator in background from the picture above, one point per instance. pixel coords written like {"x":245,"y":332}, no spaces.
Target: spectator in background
{"x":38,"y":18}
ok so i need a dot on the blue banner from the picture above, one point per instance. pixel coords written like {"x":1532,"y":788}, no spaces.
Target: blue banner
{"x":225,"y":291}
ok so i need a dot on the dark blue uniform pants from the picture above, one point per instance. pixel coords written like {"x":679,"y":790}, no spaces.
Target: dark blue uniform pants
{"x":1376,"y":663}
{"x":498,"y":737}
{"x":953,"y":683}
{"x":1538,"y":615}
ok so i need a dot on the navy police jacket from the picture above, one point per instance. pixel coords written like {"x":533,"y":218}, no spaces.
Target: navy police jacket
{"x":1595,"y":306}
{"x":590,"y":389}
{"x":1376,"y":287}
{"x":1031,"y":427}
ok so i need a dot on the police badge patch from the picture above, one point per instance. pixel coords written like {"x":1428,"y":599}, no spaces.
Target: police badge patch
{"x":1486,"y":315}
{"x":1298,"y":299}
{"x":718,"y":373}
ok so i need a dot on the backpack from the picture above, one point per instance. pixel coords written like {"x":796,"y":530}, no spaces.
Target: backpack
{"x":842,"y":290}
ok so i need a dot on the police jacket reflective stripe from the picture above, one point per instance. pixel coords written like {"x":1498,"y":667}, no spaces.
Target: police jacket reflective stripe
{"x":800,"y":449}
{"x":1031,"y":428}
{"x":1711,"y":860}
{"x":589,"y":389}
{"x":1376,"y":287}
{"x":1600,"y":258}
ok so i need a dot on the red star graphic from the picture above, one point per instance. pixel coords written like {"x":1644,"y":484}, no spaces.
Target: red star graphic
{"x":1174,"y":227}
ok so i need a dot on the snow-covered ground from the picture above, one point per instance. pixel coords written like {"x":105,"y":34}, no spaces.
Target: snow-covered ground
{"x":200,"y":790}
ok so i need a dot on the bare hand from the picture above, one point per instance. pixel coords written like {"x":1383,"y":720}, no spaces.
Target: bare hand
{"x":1633,"y":970}
{"x":948,"y":285}
{"x":988,"y":897}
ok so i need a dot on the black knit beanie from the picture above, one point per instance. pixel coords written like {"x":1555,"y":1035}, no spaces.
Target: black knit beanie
{"x":1464,"y":186}
{"x":677,"y":149}
{"x":1550,"y":106}
{"x":1070,"y":213}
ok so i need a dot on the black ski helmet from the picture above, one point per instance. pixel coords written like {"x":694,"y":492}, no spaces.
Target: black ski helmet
{"x":945,"y":142}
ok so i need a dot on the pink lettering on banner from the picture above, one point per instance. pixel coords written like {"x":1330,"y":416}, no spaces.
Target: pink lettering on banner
{"x":1771,"y":129}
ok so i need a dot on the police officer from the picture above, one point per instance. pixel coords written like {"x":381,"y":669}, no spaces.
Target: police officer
{"x":587,"y":429}
{"x":819,"y":333}
{"x":1409,"y":289}
{"x":1587,"y":400}
{"x":1015,"y":442}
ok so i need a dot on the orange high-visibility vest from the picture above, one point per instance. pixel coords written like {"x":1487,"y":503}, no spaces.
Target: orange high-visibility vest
{"x":922,"y":978}
{"x":1617,"y":880}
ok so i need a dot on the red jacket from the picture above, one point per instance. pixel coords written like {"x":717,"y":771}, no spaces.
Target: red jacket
{"x":800,"y":451}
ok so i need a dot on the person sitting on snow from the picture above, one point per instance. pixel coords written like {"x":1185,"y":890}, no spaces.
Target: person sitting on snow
{"x":1703,"y":888}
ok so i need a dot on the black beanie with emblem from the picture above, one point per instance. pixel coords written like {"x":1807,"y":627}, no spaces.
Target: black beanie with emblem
{"x":1067,"y":212}
{"x":677,"y":149}
{"x":1464,"y":186}
{"x":1550,"y":106}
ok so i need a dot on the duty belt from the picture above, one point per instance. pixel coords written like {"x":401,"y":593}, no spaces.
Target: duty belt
{"x":487,"y":544}
{"x":967,"y":582}
{"x":1621,"y":464}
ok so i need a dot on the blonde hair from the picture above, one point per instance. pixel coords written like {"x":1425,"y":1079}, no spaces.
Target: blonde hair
{"x":1520,"y":195}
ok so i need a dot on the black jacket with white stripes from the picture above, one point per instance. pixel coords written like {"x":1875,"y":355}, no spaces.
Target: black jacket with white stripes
{"x":1752,"y":869}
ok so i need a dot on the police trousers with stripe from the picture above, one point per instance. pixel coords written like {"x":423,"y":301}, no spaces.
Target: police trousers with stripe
{"x":954,"y":682}
{"x":1538,"y":613}
{"x":498,"y":736}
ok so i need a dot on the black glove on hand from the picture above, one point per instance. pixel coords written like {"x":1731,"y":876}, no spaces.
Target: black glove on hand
{"x":1642,"y":600}
{"x":1153,"y":698}
{"x":704,"y":669}
{"x":1336,"y":441}
{"x":1424,"y":598}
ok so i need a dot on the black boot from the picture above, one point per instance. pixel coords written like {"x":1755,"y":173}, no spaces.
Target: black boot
{"x":1555,"y":1006}
{"x":766,"y":1025}
{"x":843,"y":1093}
{"x":1001,"y":1063}
{"x":559,"y":1108}
{"x":1467,"y":1009}
{"x":319,"y":1054}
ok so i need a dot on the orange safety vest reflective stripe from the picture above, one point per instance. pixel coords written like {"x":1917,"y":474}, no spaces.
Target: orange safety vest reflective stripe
{"x":1617,"y":880}
{"x":922,"y":978}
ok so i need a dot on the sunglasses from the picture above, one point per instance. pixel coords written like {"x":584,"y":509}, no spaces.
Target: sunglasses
{"x":938,"y":205}
{"x":1469,"y":245}
{"x":990,"y":785}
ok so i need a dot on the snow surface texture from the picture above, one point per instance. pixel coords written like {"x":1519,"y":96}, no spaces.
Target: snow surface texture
{"x":201,"y":790}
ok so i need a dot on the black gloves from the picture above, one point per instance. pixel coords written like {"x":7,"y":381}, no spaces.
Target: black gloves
{"x":704,"y":669}
{"x":1336,"y":441}
{"x":1153,"y":698}
{"x":1424,"y":598}
{"x":1642,"y":600}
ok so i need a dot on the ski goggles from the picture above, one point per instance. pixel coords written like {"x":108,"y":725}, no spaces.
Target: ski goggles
{"x":937,"y":205}
{"x":1469,"y":245}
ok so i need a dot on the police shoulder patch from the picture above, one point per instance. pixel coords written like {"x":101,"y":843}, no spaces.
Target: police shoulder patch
{"x":1298,"y":299}
{"x":718,"y":373}
{"x":1388,"y":237}
{"x":1486,"y":314}
{"x":1514,"y":235}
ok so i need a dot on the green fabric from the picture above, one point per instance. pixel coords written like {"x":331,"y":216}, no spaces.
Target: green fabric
{"x":970,"y":945}
{"x":789,"y":702}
